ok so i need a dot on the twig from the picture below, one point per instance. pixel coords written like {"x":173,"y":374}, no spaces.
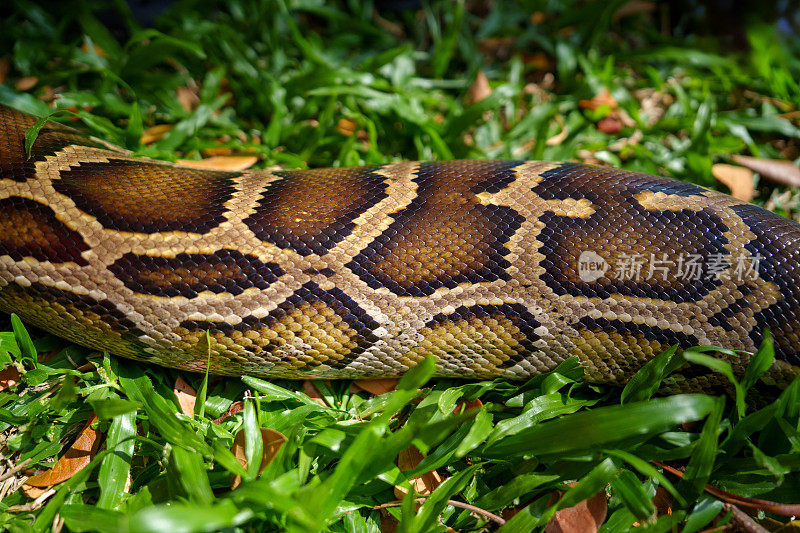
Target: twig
{"x":783,"y":509}
{"x":14,"y":470}
{"x":743,"y":521}
{"x":461,"y":505}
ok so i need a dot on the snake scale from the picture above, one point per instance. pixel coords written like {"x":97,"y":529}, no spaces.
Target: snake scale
{"x":496,"y":268}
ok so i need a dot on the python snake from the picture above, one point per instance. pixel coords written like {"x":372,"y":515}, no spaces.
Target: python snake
{"x":496,"y":268}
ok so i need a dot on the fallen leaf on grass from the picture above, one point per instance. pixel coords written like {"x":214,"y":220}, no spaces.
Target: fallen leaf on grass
{"x":561,"y":136}
{"x":272,"y":440}
{"x":222,"y":162}
{"x":27,"y":83}
{"x":186,"y":395}
{"x":586,"y":517}
{"x":479,"y":89}
{"x":376,"y":386}
{"x":313,"y":392}
{"x":738,"y":179}
{"x":611,"y":125}
{"x":236,"y":407}
{"x":424,"y":484}
{"x":9,"y":377}
{"x":77,"y":457}
{"x":603,"y":98}
{"x":187,"y":97}
{"x":777,"y":170}
{"x":155,"y":133}
{"x":471,"y":405}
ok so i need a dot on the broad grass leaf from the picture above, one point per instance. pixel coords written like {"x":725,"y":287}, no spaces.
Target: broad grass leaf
{"x":701,"y":463}
{"x":724,"y":368}
{"x":633,"y":494}
{"x":648,"y":379}
{"x":114,"y":475}
{"x":603,"y":426}
{"x":187,"y":471}
{"x":760,"y":362}
{"x":180,"y":517}
{"x":77,"y":457}
{"x":23,"y":338}
{"x":82,"y":517}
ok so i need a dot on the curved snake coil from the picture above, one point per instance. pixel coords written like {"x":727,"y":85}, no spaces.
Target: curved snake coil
{"x":497,"y":268}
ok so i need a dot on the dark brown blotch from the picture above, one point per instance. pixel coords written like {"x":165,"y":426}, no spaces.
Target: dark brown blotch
{"x":144,"y":197}
{"x":446,"y":236}
{"x":309,"y":211}
{"x":31,"y":229}
{"x":189,"y":274}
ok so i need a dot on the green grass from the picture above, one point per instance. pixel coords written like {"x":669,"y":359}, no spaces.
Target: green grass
{"x":277,"y":79}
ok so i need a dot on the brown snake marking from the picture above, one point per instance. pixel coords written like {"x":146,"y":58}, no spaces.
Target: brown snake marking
{"x":356,"y":272}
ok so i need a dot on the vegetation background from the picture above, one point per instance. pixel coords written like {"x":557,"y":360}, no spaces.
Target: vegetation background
{"x":675,"y":88}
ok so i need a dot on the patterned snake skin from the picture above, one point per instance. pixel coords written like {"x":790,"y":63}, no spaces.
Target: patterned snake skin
{"x":497,"y":268}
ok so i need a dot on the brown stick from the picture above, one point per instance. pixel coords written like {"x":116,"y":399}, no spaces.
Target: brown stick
{"x":14,"y":470}
{"x":461,"y":505}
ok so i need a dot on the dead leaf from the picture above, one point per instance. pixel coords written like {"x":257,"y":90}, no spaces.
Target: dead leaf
{"x":586,"y":517}
{"x":216,"y":150}
{"x":99,"y":51}
{"x":376,"y":386}
{"x":610,"y":124}
{"x":155,"y":133}
{"x":186,"y":395}
{"x":188,"y":98}
{"x":34,"y":492}
{"x":603,"y":98}
{"x":663,"y":501}
{"x":9,"y":377}
{"x":222,"y":162}
{"x":27,"y":83}
{"x":77,"y":457}
{"x":272,"y":440}
{"x":423,"y":484}
{"x":537,"y":17}
{"x":312,"y":392}
{"x":561,"y":136}
{"x":5,"y":68}
{"x":471,"y":405}
{"x":776,"y":170}
{"x":634,"y":7}
{"x":236,"y":407}
{"x":479,"y":89}
{"x":346,"y":127}
{"x":738,"y":179}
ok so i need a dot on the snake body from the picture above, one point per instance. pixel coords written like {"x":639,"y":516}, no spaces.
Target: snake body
{"x":496,"y":268}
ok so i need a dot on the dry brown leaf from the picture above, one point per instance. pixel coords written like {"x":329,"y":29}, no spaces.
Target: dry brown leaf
{"x":34,"y":492}
{"x":27,"y":83}
{"x":610,"y":124}
{"x":236,"y":407}
{"x":221,"y":162}
{"x":187,"y":97}
{"x":389,"y":523}
{"x":561,"y":136}
{"x":479,"y":89}
{"x":77,"y":457}
{"x":603,"y":98}
{"x":777,"y":170}
{"x":99,"y":51}
{"x":738,"y":179}
{"x":216,"y":150}
{"x":5,"y":68}
{"x":155,"y":133}
{"x":537,"y":17}
{"x":423,"y":484}
{"x":272,"y":440}
{"x":186,"y":395}
{"x":9,"y":377}
{"x":346,"y":126}
{"x":312,"y":392}
{"x":377,"y":386}
{"x":586,"y":517}
{"x":468,"y":406}
{"x":634,"y":7}
{"x":663,"y":501}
